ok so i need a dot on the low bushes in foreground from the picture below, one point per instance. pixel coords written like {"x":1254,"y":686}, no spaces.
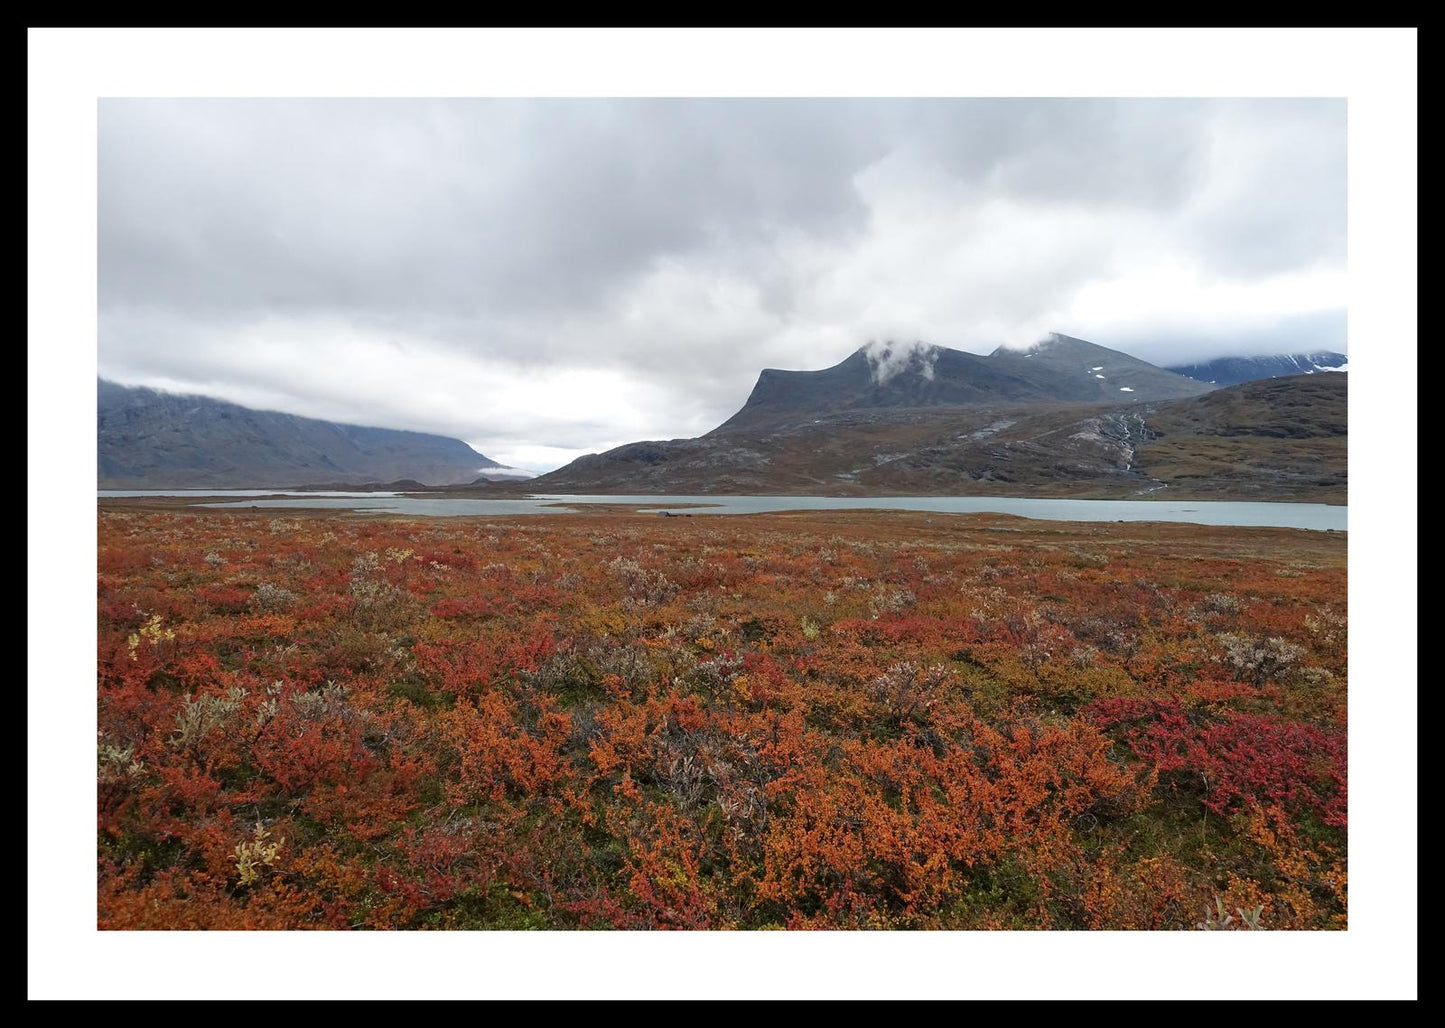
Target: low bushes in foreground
{"x":609,"y":721}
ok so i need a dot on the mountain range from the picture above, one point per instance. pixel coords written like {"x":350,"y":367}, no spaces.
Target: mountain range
{"x":148,"y":439}
{"x":1233,"y":370}
{"x":1066,"y":418}
{"x":1060,"y":370}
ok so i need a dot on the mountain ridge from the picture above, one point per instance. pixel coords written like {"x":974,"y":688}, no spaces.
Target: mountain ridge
{"x":1225,"y":371}
{"x":1068,"y":418}
{"x":150,"y":438}
{"x":1060,"y":369}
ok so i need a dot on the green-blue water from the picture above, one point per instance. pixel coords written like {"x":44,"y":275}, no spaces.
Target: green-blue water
{"x":1314,"y":516}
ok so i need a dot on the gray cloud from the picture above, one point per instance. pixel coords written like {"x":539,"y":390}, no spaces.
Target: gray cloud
{"x":547,"y":277}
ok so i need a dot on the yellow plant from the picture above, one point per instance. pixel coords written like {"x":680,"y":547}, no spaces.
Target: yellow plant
{"x":152,"y":632}
{"x":259,"y":852}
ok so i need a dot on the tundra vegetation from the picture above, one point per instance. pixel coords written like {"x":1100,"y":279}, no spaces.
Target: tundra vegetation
{"x":821,"y":720}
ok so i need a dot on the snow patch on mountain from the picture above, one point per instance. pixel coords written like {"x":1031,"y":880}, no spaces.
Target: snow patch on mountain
{"x":1226,"y":371}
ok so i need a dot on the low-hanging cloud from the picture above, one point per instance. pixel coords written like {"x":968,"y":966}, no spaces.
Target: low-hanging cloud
{"x":888,"y":359}
{"x":543,"y":278}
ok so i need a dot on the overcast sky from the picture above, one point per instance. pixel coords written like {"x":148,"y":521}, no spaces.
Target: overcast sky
{"x":546,"y":278}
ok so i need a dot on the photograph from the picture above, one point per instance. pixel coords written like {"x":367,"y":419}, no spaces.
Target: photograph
{"x":401,"y":626}
{"x":868,"y":515}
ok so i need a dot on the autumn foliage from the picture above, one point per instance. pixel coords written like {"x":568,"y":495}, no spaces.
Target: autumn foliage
{"x":830,"y":720}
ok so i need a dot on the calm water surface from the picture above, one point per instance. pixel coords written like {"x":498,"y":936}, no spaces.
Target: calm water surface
{"x":1314,"y":516}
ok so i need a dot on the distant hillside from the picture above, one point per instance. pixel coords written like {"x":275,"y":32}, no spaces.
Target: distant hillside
{"x":151,"y":440}
{"x":1278,"y":438}
{"x":978,"y":426}
{"x":1233,"y":370}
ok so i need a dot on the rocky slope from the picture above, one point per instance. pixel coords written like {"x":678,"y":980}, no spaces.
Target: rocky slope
{"x":1274,"y":439}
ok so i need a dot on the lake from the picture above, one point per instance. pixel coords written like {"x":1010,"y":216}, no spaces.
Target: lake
{"x":1312,"y":516}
